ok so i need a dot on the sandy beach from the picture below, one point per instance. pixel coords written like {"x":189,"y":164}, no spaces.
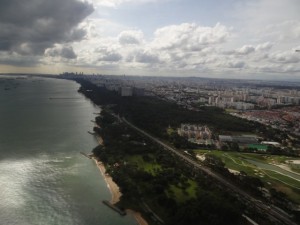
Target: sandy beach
{"x":138,"y":217}
{"x":116,"y":194}
{"x":99,"y":139}
{"x":113,"y":187}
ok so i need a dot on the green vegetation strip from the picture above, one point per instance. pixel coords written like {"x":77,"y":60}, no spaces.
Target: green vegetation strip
{"x":237,"y":161}
{"x":150,"y":167}
{"x":282,"y":178}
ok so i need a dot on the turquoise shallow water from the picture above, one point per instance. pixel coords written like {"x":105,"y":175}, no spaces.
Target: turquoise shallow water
{"x":43,"y":178}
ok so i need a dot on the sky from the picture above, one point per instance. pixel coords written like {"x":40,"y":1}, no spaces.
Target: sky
{"x":206,"y":38}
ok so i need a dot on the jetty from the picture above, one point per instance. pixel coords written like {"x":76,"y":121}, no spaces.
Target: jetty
{"x":62,"y":98}
{"x":87,"y":155}
{"x":113,"y":207}
{"x":92,"y":133}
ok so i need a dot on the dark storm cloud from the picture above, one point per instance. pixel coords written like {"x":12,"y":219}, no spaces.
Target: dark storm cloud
{"x":64,"y":52}
{"x":17,"y":60}
{"x":29,"y":27}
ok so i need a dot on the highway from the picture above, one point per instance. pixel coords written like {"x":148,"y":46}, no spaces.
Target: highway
{"x":275,"y":214}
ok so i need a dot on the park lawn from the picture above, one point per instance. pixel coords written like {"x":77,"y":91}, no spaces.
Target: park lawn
{"x":204,"y":151}
{"x":282,"y":159}
{"x":292,"y":193}
{"x":295,"y":170}
{"x":257,"y":157}
{"x":237,"y":161}
{"x":151,"y":168}
{"x":272,"y":159}
{"x":231,"y":110}
{"x":232,"y":160}
{"x":273,"y":178}
{"x":192,"y":189}
{"x":269,"y":158}
{"x":283,"y":179}
{"x":140,"y":162}
{"x":177,"y":194}
{"x":180,"y":195}
{"x":135,"y":159}
{"x":278,"y":159}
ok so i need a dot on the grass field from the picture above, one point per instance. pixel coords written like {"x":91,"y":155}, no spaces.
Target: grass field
{"x":179,"y":192}
{"x":149,"y":167}
{"x":238,"y":161}
{"x":183,"y":194}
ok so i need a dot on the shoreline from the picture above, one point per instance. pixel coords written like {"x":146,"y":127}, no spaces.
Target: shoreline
{"x":115,"y":192}
{"x":112,"y":186}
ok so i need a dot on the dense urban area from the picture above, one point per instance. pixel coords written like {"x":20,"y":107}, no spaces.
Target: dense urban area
{"x":273,"y":104}
{"x":220,"y":151}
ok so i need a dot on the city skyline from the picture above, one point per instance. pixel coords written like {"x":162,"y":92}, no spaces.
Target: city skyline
{"x":236,"y":39}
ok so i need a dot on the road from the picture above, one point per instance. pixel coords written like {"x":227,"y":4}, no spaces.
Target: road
{"x":274,"y":213}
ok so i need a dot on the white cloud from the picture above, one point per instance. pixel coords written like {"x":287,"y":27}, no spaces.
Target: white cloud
{"x":260,"y":40}
{"x":185,"y":47}
{"x":245,"y":50}
{"x":285,"y":57}
{"x":275,"y":21}
{"x":115,"y":3}
{"x":189,"y":36}
{"x":108,"y":55}
{"x":131,"y":37}
{"x":264,"y":47}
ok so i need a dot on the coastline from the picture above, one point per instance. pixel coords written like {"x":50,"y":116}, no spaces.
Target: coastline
{"x":115,"y":192}
{"x":112,"y":186}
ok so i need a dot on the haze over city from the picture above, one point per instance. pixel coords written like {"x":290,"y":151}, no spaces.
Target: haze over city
{"x":226,"y":39}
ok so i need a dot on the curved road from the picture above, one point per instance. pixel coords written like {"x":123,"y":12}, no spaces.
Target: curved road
{"x":275,"y":214}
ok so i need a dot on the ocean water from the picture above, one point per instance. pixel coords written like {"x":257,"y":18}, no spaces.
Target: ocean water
{"x":44,"y":180}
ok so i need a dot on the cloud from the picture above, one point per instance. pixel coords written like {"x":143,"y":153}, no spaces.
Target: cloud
{"x":268,"y":11}
{"x":131,"y":37}
{"x":61,"y":51}
{"x":108,"y":54}
{"x":245,"y":50}
{"x":189,"y":36}
{"x":285,"y":57}
{"x":186,"y":47}
{"x":29,"y":27}
{"x":115,"y":3}
{"x":111,"y":57}
{"x":17,"y":60}
{"x":273,"y":21}
{"x":58,"y":30}
{"x":264,"y":47}
{"x":284,"y":69}
{"x":236,"y":64}
{"x":147,"y":57}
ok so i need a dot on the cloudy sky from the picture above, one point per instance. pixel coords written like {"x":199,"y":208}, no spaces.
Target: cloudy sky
{"x":211,"y":38}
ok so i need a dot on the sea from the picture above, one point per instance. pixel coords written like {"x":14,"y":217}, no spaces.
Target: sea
{"x":44,"y":180}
